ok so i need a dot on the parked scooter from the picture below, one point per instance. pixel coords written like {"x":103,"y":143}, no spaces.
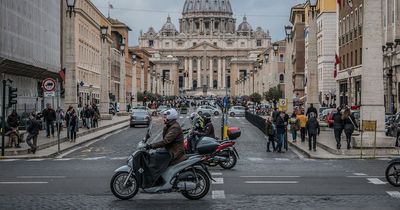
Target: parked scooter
{"x":392,"y":172}
{"x":190,"y":177}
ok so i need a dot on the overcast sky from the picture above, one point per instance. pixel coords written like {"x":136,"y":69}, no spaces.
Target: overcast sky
{"x":139,"y":15}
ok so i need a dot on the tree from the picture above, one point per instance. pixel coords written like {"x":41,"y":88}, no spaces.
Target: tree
{"x":256,"y":97}
{"x":273,"y":95}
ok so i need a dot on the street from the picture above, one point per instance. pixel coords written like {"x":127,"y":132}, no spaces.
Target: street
{"x":80,"y":178}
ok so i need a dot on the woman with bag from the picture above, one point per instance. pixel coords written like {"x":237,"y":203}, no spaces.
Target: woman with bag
{"x":270,"y":132}
{"x":349,"y":125}
{"x":294,"y":126}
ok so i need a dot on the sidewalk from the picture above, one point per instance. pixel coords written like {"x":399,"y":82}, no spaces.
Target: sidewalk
{"x":326,"y":148}
{"x":48,"y":147}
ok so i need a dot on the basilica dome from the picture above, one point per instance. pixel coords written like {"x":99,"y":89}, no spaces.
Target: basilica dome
{"x":207,"y":6}
{"x":244,"y":26}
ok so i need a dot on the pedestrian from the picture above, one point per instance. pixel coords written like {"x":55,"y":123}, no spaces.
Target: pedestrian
{"x":280,"y":131}
{"x":73,"y":122}
{"x":294,"y":126}
{"x":83,"y":116}
{"x":313,"y":130}
{"x":338,"y":127}
{"x":59,"y":118}
{"x":270,"y":131}
{"x":49,"y":116}
{"x":67,"y":119}
{"x":303,"y":121}
{"x":349,"y":125}
{"x":88,"y":116}
{"x":310,"y":110}
{"x":96,"y":116}
{"x":13,"y":121}
{"x":33,"y":132}
{"x":275,"y":115}
{"x":285,"y":139}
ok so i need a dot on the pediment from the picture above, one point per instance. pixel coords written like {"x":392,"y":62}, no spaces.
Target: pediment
{"x":205,"y":46}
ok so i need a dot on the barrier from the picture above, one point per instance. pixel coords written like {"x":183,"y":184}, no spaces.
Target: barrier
{"x":256,"y":120}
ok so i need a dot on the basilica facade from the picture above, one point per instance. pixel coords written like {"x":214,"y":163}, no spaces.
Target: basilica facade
{"x":208,"y":54}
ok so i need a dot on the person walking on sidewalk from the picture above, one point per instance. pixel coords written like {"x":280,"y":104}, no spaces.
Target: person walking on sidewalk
{"x":33,"y":132}
{"x":49,"y":116}
{"x":270,"y":132}
{"x":294,"y":126}
{"x":73,"y":124}
{"x":349,"y":125}
{"x":313,"y":130}
{"x":67,"y":119}
{"x":13,"y":121}
{"x":280,"y":131}
{"x":303,"y":121}
{"x":285,"y":139}
{"x":338,"y":127}
{"x":59,"y":118}
{"x":310,"y":110}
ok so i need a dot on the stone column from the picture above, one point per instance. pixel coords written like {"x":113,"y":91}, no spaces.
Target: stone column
{"x":190,"y":73}
{"x":223,"y":73}
{"x":122,"y":90}
{"x":142,"y":78}
{"x":186,"y":79}
{"x":71,"y":94}
{"x":198,"y":73}
{"x":211,"y":73}
{"x":104,"y":86}
{"x":312,"y":64}
{"x":372,"y":95}
{"x":219,"y":74}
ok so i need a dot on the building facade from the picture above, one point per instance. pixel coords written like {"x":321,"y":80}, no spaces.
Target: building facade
{"x":208,"y":53}
{"x":30,"y":49}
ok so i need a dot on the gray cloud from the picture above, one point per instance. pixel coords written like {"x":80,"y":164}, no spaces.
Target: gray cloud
{"x":139,"y":15}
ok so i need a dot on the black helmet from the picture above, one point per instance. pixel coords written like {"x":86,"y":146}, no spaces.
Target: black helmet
{"x":206,"y":116}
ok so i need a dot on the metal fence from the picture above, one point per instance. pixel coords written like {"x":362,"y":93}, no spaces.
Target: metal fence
{"x":256,"y":120}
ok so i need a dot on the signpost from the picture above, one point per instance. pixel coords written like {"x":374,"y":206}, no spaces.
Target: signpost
{"x":283,"y":105}
{"x":49,"y":88}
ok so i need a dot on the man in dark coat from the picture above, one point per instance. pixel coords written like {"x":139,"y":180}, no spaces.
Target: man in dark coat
{"x":208,"y":130}
{"x":13,"y":123}
{"x":313,"y":130}
{"x":33,"y":132}
{"x":49,"y":116}
{"x":280,"y":131}
{"x":310,"y":110}
{"x":172,"y":137}
{"x":338,"y":126}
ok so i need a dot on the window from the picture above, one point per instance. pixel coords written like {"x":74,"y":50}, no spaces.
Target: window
{"x":355,"y":57}
{"x":151,"y":43}
{"x":258,"y":43}
{"x":242,"y":44}
{"x":166,"y":44}
{"x":360,"y":56}
{"x":281,"y":78}
{"x":351,"y":59}
{"x":194,"y":44}
{"x":215,"y":44}
{"x":281,"y":57}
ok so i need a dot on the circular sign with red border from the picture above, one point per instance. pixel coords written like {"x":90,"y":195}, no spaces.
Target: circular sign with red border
{"x":49,"y":84}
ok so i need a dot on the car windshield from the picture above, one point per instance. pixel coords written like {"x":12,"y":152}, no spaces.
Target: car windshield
{"x":140,"y":114}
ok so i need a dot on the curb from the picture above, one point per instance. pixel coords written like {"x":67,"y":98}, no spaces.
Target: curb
{"x":54,"y":154}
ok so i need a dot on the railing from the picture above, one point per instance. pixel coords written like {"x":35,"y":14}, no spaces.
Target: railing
{"x":256,"y":120}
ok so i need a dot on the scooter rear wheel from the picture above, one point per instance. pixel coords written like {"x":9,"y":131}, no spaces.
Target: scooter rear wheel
{"x":231,"y":162}
{"x":393,"y":174}
{"x":119,"y":190}
{"x":203,"y":186}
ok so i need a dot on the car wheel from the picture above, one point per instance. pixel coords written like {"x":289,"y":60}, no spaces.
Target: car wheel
{"x":200,"y":112}
{"x":216,"y":113}
{"x":232,"y":114}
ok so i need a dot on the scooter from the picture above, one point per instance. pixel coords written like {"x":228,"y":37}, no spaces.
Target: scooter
{"x":191,"y":177}
{"x":392,"y":172}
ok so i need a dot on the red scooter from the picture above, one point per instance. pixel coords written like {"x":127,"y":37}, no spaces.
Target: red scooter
{"x":222,"y":153}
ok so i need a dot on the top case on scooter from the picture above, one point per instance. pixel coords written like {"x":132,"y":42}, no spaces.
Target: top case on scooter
{"x":234,"y":133}
{"x":207,"y":145}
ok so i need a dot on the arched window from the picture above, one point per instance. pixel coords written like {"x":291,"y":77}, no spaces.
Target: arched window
{"x":215,"y":84}
{"x":281,"y":78}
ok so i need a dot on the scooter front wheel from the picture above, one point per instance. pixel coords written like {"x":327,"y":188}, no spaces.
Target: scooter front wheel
{"x":202,"y":186}
{"x":393,"y":174}
{"x":121,"y":191}
{"x":231,"y":162}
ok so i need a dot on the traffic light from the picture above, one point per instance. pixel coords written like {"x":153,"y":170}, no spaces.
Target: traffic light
{"x":12,"y":96}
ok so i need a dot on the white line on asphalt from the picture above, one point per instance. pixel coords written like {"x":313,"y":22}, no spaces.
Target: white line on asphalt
{"x":94,"y":158}
{"x":218,"y":181}
{"x":394,"y":194}
{"x":385,"y":159}
{"x":216,"y":174}
{"x":63,"y":159}
{"x":359,"y":174}
{"x":271,"y":182}
{"x":270,"y":176}
{"x":375,"y":181}
{"x":8,"y":160}
{"x":365,"y":176}
{"x":23,"y":182}
{"x":282,"y":159}
{"x":35,"y":160}
{"x":119,"y":158}
{"x":40,"y":177}
{"x":218,"y":194}
{"x":255,"y":159}
{"x":181,"y":117}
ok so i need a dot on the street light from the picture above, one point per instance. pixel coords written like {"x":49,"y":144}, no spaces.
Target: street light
{"x":313,"y":5}
{"x":122,"y":46}
{"x":103,"y":32}
{"x":275,"y":47}
{"x":288,"y":32}
{"x":71,"y":7}
{"x":266,"y":55}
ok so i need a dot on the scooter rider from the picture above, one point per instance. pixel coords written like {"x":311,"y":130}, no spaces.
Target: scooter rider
{"x":172,"y":137}
{"x":208,"y":130}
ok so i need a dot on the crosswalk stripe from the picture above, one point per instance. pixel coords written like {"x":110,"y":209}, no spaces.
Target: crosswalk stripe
{"x":394,"y":194}
{"x":271,"y":182}
{"x":255,"y":159}
{"x":216,"y":174}
{"x":359,"y":174}
{"x":94,"y":158}
{"x":375,"y":181}
{"x":218,"y":194}
{"x":282,"y":159}
{"x":62,"y":159}
{"x":218,"y":181}
{"x":119,"y":158}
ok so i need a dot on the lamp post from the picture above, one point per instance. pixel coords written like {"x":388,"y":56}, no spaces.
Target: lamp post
{"x":288,"y":32}
{"x":71,"y":7}
{"x":142,"y":76}
{"x":389,"y":51}
{"x":349,"y":72}
{"x":103,"y":33}
{"x":122,"y":46}
{"x":133,"y":95}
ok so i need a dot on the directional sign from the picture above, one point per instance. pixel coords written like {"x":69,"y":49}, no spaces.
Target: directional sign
{"x":49,"y":85}
{"x":225,"y":102}
{"x":283,"y":105}
{"x":49,"y":93}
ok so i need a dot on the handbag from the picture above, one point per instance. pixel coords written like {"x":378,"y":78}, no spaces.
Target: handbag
{"x":352,"y":122}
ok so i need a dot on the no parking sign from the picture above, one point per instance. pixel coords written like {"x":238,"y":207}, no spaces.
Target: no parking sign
{"x":283,"y":105}
{"x":49,"y":86}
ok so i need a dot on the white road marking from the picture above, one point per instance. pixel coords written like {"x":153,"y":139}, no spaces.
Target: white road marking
{"x":218,"y":181}
{"x":35,"y":160}
{"x":394,"y":194}
{"x":181,"y":117}
{"x":63,"y":159}
{"x":119,"y":158}
{"x":375,"y":181}
{"x":365,"y":176}
{"x":255,"y":159}
{"x":271,"y":182}
{"x":386,"y":159}
{"x":282,"y":159}
{"x":94,"y":158}
{"x":359,"y":174}
{"x":216,"y":174}
{"x":40,"y":177}
{"x":218,"y":194}
{"x":23,"y":182}
{"x":270,"y":176}
{"x":8,"y":160}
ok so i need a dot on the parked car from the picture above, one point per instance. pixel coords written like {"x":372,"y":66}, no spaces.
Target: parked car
{"x":390,"y":128}
{"x":162,"y":108}
{"x":324,"y":114}
{"x":237,"y":111}
{"x":140,"y":117}
{"x":184,"y":110}
{"x":208,"y":109}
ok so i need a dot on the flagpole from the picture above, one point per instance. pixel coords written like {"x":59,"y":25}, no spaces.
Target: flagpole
{"x":108,"y":8}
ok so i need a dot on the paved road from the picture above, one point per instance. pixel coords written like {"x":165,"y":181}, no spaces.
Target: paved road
{"x":261,"y":180}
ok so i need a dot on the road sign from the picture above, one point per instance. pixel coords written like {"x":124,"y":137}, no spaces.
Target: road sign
{"x":283,"y":105}
{"x":225,"y":102}
{"x":49,"y":85}
{"x":49,"y":93}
